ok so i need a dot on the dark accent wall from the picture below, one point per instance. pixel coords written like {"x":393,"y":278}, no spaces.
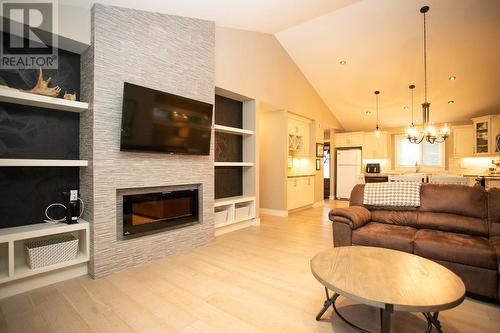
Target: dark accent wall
{"x":228,"y":148}
{"x":228,"y":112}
{"x":37,"y":133}
{"x":228,"y":182}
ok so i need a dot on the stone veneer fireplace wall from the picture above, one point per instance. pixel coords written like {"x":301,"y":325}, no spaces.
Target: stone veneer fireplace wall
{"x":163,"y":52}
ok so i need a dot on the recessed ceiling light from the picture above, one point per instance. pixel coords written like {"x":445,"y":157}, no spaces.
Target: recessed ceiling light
{"x":406,"y":108}
{"x":451,"y":102}
{"x":368,"y":113}
{"x":452,"y":78}
{"x":343,"y":62}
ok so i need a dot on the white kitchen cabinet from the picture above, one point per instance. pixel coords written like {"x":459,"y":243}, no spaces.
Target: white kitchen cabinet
{"x":298,"y":136}
{"x":375,"y":147}
{"x":300,"y":192}
{"x":495,"y":133}
{"x":482,"y":136}
{"x":351,"y":139}
{"x":463,"y":141}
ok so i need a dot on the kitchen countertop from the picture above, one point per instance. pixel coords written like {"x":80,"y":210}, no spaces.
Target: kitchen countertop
{"x":484,"y":176}
{"x":297,"y":176}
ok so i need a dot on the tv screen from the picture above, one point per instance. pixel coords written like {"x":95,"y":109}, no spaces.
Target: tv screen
{"x":161,"y":122}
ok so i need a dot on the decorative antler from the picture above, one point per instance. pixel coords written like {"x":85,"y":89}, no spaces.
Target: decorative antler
{"x":42,"y":87}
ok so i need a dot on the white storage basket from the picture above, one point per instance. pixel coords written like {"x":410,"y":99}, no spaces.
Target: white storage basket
{"x":242,"y":210}
{"x":221,"y":215}
{"x":50,"y":251}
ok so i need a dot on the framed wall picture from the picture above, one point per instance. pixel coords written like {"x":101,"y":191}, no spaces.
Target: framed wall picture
{"x":319,"y":150}
{"x":318,"y":164}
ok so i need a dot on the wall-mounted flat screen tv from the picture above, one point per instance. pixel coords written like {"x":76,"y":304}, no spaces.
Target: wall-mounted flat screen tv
{"x":161,"y":122}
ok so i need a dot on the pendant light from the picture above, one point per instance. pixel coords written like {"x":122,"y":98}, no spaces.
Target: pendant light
{"x":411,"y":131}
{"x":377,"y":130}
{"x":429,"y":133}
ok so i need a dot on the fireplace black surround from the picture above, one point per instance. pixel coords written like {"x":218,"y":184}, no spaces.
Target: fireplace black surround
{"x":147,"y":213}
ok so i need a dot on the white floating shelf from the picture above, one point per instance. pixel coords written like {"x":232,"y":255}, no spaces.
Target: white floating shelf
{"x":23,"y":270}
{"x":232,"y":200}
{"x":25,"y":98}
{"x":242,"y":164}
{"x":20,"y":162}
{"x":232,"y":130}
{"x":39,"y":230}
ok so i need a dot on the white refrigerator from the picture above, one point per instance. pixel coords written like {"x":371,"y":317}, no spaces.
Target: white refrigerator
{"x":348,"y":171}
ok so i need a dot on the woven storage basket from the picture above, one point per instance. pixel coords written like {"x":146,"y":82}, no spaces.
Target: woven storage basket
{"x":49,"y":251}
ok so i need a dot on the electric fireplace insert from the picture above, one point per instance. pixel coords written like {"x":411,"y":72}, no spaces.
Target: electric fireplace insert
{"x":154,"y":212}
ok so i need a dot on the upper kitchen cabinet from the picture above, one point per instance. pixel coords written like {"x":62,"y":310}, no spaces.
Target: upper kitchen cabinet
{"x":463,"y":143}
{"x":486,"y":133}
{"x":495,"y":131}
{"x":352,"y":139}
{"x":298,"y":135}
{"x":375,"y":147}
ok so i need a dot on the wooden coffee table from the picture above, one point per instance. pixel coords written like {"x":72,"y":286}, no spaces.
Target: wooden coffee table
{"x":387,"y":279}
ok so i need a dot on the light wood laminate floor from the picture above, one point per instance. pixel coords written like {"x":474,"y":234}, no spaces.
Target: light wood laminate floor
{"x":253,"y":280}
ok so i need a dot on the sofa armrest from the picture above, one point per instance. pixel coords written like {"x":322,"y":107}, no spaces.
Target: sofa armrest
{"x":354,"y":216}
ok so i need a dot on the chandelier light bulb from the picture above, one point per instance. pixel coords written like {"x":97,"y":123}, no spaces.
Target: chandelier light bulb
{"x":431,"y":131}
{"x":445,"y":131}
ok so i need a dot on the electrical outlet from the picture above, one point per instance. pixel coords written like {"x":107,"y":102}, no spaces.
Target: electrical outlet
{"x":73,"y":195}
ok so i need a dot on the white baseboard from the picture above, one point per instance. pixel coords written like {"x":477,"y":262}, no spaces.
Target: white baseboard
{"x":332,"y":197}
{"x":274,"y":212}
{"x":318,"y":203}
{"x":42,"y":280}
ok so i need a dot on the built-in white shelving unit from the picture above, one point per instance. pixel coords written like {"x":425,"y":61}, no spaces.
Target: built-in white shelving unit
{"x":233,"y":213}
{"x":13,"y":264}
{"x":233,"y":130}
{"x":20,"y":97}
{"x":24,"y":162}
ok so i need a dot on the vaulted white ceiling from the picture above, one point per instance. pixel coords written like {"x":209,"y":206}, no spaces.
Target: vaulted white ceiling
{"x":382,"y":42}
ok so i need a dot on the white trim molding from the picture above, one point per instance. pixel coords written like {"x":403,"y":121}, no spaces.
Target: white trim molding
{"x":274,"y":212}
{"x":318,"y":204}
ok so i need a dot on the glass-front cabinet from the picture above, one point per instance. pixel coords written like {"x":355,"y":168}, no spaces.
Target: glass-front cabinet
{"x":485,"y":135}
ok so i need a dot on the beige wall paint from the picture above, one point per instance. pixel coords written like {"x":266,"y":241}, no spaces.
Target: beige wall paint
{"x":273,"y":159}
{"x":256,"y":65}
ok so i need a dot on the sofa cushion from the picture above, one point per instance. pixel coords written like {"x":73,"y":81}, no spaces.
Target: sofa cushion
{"x":454,"y":199}
{"x":459,"y":248}
{"x":385,"y":235}
{"x":453,"y":223}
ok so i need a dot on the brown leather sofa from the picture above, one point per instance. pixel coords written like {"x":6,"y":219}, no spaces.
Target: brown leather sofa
{"x":457,"y":226}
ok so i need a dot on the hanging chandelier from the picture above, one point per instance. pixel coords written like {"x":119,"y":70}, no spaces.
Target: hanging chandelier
{"x":429,"y":133}
{"x":377,"y":130}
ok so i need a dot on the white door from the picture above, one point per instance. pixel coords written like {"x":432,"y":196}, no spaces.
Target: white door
{"x":347,"y":178}
{"x":349,"y":157}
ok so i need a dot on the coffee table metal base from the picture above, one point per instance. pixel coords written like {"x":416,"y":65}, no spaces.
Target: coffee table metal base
{"x":385,"y":316}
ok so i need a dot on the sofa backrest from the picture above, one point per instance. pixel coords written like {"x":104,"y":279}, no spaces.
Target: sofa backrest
{"x":454,"y":208}
{"x":494,"y":211}
{"x":454,"y":199}
{"x":447,"y":207}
